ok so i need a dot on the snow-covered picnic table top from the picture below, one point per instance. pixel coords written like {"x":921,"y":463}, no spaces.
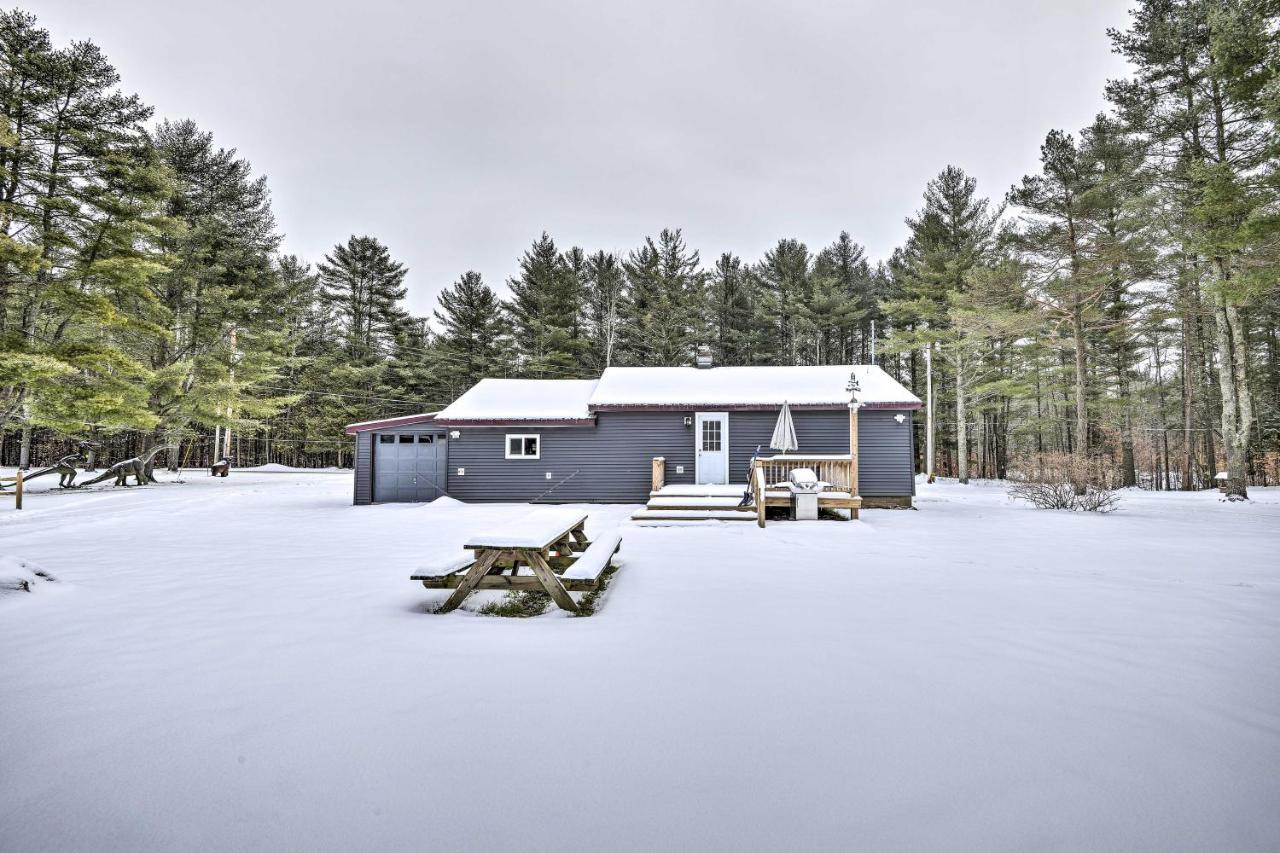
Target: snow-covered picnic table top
{"x":537,"y":529}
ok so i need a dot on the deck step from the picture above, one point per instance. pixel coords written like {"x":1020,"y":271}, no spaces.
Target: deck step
{"x":694,"y":515}
{"x":694,"y":503}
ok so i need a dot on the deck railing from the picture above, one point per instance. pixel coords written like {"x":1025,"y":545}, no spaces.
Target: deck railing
{"x":836,"y":470}
{"x":768,"y":471}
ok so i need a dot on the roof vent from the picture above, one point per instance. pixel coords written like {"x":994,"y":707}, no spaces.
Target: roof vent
{"x":703,"y":359}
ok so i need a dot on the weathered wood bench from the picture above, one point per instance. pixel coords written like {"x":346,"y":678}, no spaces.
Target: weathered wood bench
{"x":436,"y":575}
{"x":585,"y":573}
{"x":547,"y":549}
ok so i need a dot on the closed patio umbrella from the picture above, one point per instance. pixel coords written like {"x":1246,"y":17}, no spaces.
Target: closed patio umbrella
{"x":784,"y":433}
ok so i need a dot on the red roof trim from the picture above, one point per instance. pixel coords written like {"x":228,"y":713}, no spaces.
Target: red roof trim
{"x":388,"y":423}
{"x":544,"y":422}
{"x":742,"y":407}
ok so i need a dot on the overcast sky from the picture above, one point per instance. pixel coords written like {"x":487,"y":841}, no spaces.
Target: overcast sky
{"x":457,"y":132}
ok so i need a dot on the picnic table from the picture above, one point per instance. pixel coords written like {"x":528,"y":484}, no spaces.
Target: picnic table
{"x":545,"y":540}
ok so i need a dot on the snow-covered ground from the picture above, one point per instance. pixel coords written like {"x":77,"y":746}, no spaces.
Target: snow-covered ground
{"x":242,"y":664}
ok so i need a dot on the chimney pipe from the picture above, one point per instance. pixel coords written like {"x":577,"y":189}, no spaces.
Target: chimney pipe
{"x":703,"y":359}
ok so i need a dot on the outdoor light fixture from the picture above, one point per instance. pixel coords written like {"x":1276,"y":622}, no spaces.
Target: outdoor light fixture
{"x":899,"y":417}
{"x":453,"y":433}
{"x":688,"y":421}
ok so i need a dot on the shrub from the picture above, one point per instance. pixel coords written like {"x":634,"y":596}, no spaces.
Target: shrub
{"x":1060,"y":481}
{"x":518,"y":604}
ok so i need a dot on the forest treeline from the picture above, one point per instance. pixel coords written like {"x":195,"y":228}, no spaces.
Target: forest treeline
{"x":1118,"y":307}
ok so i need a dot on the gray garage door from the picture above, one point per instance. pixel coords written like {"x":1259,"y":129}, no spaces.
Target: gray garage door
{"x":409,"y":467}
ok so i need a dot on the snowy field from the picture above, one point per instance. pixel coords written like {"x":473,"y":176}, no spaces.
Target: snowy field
{"x":242,"y":664}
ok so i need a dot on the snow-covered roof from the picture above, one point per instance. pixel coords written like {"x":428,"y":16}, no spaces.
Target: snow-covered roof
{"x":503,"y":400}
{"x":388,"y":423}
{"x":684,"y":387}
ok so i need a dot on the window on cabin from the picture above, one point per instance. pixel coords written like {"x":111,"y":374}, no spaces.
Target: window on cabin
{"x":524,"y":446}
{"x":711,"y":436}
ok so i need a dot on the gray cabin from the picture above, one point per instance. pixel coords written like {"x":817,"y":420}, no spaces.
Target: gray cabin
{"x":603,"y":440}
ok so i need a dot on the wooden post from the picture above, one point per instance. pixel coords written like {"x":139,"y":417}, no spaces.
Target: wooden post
{"x":17,"y":491}
{"x":853,"y":454}
{"x":758,"y":486}
{"x":659,"y":473}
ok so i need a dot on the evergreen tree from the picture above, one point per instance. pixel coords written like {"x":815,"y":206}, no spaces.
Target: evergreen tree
{"x":785,"y":288}
{"x":221,"y":292}
{"x":471,"y":348}
{"x":844,"y":264}
{"x":664,"y":301}
{"x":545,"y":309}
{"x":731,"y":308}
{"x":1202,"y":100}
{"x":363,"y":286}
{"x":80,"y":195}
{"x":954,"y":232}
{"x":605,"y":291}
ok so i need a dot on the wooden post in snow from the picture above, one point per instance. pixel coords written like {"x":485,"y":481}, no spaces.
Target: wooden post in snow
{"x":854,"y":405}
{"x":853,"y":450}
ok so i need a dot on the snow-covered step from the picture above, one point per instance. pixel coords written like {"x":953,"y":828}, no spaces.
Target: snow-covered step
{"x":692,"y":515}
{"x":725,"y":502}
{"x":705,"y":490}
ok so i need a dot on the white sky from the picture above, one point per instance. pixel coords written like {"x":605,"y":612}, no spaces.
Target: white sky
{"x":456,"y":132}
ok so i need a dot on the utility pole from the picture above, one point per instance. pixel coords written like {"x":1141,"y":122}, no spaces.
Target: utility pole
{"x":226,"y":436}
{"x":928,"y":412}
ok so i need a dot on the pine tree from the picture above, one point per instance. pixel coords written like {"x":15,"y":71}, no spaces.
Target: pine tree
{"x":363,"y":285}
{"x":954,"y":232}
{"x":1202,"y":99}
{"x":785,"y":288}
{"x":731,"y":308}
{"x":80,"y":194}
{"x":471,"y":348}
{"x":844,"y":263}
{"x":604,"y":290}
{"x":225,"y":330}
{"x":664,"y":305}
{"x":545,"y":310}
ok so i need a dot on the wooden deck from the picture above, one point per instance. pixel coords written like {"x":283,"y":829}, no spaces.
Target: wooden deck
{"x":685,"y":503}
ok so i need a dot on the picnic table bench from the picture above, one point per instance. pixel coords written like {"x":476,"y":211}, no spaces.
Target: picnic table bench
{"x":551,"y":542}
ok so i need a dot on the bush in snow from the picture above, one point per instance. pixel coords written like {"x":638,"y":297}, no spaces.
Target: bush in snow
{"x":1060,"y":481}
{"x":19,"y":575}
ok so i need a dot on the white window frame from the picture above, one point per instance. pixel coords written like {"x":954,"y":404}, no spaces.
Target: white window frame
{"x":506,"y":445}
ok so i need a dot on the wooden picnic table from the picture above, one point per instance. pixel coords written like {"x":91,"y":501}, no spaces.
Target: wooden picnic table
{"x":529,"y":541}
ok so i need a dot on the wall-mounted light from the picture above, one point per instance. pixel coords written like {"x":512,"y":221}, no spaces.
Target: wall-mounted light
{"x":899,"y":417}
{"x":688,"y":421}
{"x":453,"y":433}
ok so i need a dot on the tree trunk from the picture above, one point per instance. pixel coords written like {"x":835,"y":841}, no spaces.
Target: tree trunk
{"x":24,"y":449}
{"x":962,"y":429}
{"x":928,"y":417}
{"x":1082,"y":413}
{"x":1237,"y":410}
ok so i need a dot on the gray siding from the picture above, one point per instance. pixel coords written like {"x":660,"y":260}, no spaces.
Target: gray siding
{"x":886,"y":454}
{"x":365,"y":471}
{"x":611,"y":462}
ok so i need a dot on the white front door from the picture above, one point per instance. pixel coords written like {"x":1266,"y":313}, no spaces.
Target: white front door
{"x":711,"y":437}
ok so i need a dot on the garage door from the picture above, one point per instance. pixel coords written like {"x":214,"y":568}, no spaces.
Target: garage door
{"x":409,"y":467}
